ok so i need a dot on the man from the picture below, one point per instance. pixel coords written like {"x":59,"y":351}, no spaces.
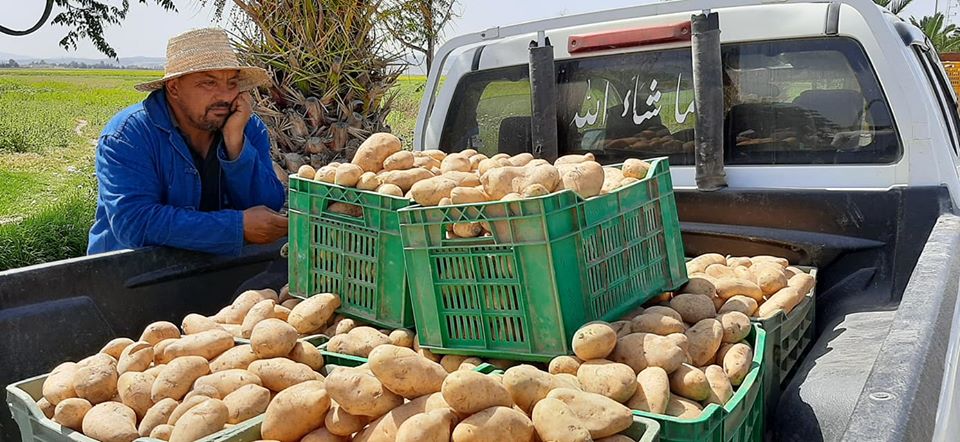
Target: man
{"x":189,"y":167}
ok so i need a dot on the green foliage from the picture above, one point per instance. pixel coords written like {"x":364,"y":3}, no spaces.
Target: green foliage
{"x":894,"y":6}
{"x":418,"y":25}
{"x":87,"y":19}
{"x":942,"y":34}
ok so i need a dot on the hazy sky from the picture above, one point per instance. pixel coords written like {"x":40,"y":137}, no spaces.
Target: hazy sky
{"x":147,"y":28}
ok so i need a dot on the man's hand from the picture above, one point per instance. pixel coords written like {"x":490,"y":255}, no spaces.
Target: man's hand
{"x":242,"y":108}
{"x":263,"y":226}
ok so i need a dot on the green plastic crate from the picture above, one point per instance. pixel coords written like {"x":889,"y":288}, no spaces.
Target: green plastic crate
{"x":643,"y":430}
{"x":550,"y":265}
{"x":741,"y":419}
{"x":360,"y":259}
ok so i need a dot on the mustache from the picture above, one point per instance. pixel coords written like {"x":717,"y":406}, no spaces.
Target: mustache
{"x":218,"y":106}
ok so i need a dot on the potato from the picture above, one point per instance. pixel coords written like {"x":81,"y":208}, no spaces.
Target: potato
{"x":720,"y":388}
{"x":161,"y":432}
{"x":701,"y":285}
{"x":512,"y":197}
{"x":280,"y":312}
{"x":234,"y":313}
{"x":341,"y":423}
{"x":634,"y":168}
{"x":177,"y":378}
{"x":359,"y":392}
{"x":185,"y":406}
{"x":70,"y":412}
{"x":566,"y":380}
{"x":486,"y":165}
{"x":307,"y":354}
{"x":321,"y":435}
{"x":432,"y":426}
{"x":155,"y":370}
{"x":404,"y":372}
{"x":110,"y":422}
{"x":739,"y":303}
{"x":611,"y":379}
{"x":736,"y":326}
{"x":405,"y":179}
{"x":527,"y":385}
{"x":207,"y":390}
{"x":291,"y":303}
{"x":663,"y":310}
{"x":653,"y":391}
{"x":564,"y":364}
{"x":521,"y":159}
{"x":426,"y":162}
{"x":600,"y":415}
{"x":802,"y":282}
{"x":160,"y":351}
{"x":738,"y":261}
{"x":358,"y":342}
{"x":385,"y":428}
{"x":720,"y":271}
{"x":700,"y":263}
{"x":228,"y":381}
{"x":348,"y":175}
{"x":463,"y":179}
{"x":657,"y":324}
{"x":402,"y":337}
{"x":494,"y":424}
{"x":200,"y":421}
{"x":135,"y":357}
{"x":95,"y":378}
{"x":683,"y":408}
{"x":690,"y":382}
{"x":295,"y":412}
{"x":554,"y":421}
{"x":574,"y":158}
{"x":401,"y":160}
{"x":730,"y":287}
{"x":782,"y":262}
{"x":705,"y":338}
{"x":468,"y":392}
{"x":58,"y":385}
{"x":586,"y":179}
{"x":306,"y":172}
{"x":375,"y":150}
{"x":594,"y":341}
{"x":745,"y":274}
{"x":310,"y":315}
{"x":467,"y":230}
{"x":622,"y":328}
{"x":612,"y":177}
{"x":430,"y":191}
{"x":157,"y":415}
{"x":194,"y":323}
{"x":278,"y":374}
{"x":344,"y":325}
{"x":468,"y":195}
{"x":436,"y":154}
{"x":237,"y":357}
{"x":134,"y":389}
{"x":455,"y":163}
{"x":505,"y":180}
{"x":116,"y":346}
{"x":693,"y":308}
{"x":208,"y":345}
{"x":770,"y":280}
{"x":260,"y":311}
{"x":736,"y":362}
{"x":246,"y":402}
{"x":272,"y":338}
{"x":326,"y":174}
{"x":783,"y":300}
{"x":641,"y":350}
{"x":475,"y":161}
{"x":369,"y":181}
{"x":46,"y":408}
{"x":470,"y":363}
{"x":159,"y":331}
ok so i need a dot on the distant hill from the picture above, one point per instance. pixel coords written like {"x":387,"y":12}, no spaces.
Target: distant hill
{"x":138,"y":61}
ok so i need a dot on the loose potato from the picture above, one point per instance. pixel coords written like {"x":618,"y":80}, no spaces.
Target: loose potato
{"x":157,"y":415}
{"x":705,"y":338}
{"x":278,"y":374}
{"x":770,"y":280}
{"x":228,"y":381}
{"x":280,"y":312}
{"x":385,"y":428}
{"x":207,"y":390}
{"x":185,"y":406}
{"x":701,"y":285}
{"x":683,"y":408}
{"x":194,"y":323}
{"x":802,"y":282}
{"x":436,"y":154}
{"x":430,"y":191}
{"x":467,"y":230}
{"x":46,"y":408}
{"x":405,"y":179}
{"x":468,"y":195}
{"x":566,"y":380}
{"x":657,"y":324}
{"x":348,"y":175}
{"x":260,"y":311}
{"x":534,"y":190}
{"x":739,"y":303}
{"x":663,"y":310}
{"x":320,"y":435}
{"x":693,"y":308}
{"x":494,"y":424}
{"x":426,"y":162}
{"x":341,"y":423}
{"x":203,"y":420}
{"x":401,"y":160}
{"x":642,"y":350}
{"x":486,"y":165}
{"x":455,"y":163}
{"x":307,"y":354}
{"x":432,"y":426}
{"x":783,"y":300}
{"x":600,"y":415}
{"x":738,"y":261}
{"x":291,"y":303}
{"x":402,"y":337}
{"x":555,"y":421}
{"x":58,"y":385}
{"x":527,"y":385}
{"x":246,"y":402}
{"x":375,"y":150}
{"x":369,"y":181}
{"x":463,"y":179}
{"x":272,"y":338}
{"x":306,"y":172}
{"x":310,"y":315}
{"x":720,"y":388}
{"x":360,"y":341}
{"x":208,"y":345}
{"x":404,"y":372}
{"x":470,"y":363}
{"x":295,"y":412}
{"x":505,"y":180}
{"x":468,"y":392}
{"x":135,"y":357}
{"x":736,"y":326}
{"x":736,"y":362}
{"x":730,"y":287}
{"x":359,"y":392}
{"x":594,"y":341}
{"x":720,"y":271}
{"x":512,"y":197}
{"x":653,"y":391}
{"x":521,"y":159}
{"x":70,"y":412}
{"x":110,"y":422}
{"x":574,"y":159}
{"x":234,"y":313}
{"x":586,"y":179}
{"x":622,"y":328}
{"x":634,"y":168}
{"x":326,"y":174}
{"x":745,"y":274}
{"x":134,"y":389}
{"x":564,"y":364}
{"x":690,"y":382}
{"x":116,"y":346}
{"x":161,"y":432}
{"x":782,"y":262}
{"x":612,"y":177}
{"x":611,"y":379}
{"x":344,"y":326}
{"x":95,"y":378}
{"x":159,"y":331}
{"x":176,"y":379}
{"x":237,"y":357}
{"x":700,"y":263}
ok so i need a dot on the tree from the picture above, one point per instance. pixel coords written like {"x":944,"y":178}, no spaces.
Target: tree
{"x":86,"y":19}
{"x":894,"y":6}
{"x":942,"y":35}
{"x":418,"y":24}
{"x":11,"y":63}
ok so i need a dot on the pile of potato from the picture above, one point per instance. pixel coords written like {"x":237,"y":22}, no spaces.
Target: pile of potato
{"x":434,"y":178}
{"x":758,"y":286}
{"x":184,"y":383}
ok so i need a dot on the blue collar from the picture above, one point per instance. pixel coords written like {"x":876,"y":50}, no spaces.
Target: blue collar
{"x":158,"y":111}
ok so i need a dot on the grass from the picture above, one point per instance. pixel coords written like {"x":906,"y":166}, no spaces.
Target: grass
{"x":406,"y":104}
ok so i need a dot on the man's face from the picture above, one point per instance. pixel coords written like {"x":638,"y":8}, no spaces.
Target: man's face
{"x":205,"y":98}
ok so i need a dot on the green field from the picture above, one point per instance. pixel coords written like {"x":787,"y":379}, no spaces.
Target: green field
{"x":49,"y":122}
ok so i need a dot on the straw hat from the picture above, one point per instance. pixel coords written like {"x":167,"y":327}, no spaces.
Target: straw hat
{"x":205,"y":50}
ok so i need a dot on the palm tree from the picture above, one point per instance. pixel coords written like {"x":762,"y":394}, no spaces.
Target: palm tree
{"x":943,"y":35}
{"x":894,"y":6}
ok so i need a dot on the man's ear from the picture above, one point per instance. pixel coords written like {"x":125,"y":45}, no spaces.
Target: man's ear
{"x":173,"y":87}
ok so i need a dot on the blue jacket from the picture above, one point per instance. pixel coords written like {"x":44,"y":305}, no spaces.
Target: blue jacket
{"x":150,"y":188}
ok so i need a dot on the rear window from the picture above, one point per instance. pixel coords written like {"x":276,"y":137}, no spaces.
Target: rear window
{"x":811,"y":101}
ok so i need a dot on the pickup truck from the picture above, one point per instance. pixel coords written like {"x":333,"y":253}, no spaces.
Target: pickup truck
{"x":839,"y":150}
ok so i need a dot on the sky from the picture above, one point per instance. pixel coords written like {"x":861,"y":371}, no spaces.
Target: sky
{"x":147,"y":27}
